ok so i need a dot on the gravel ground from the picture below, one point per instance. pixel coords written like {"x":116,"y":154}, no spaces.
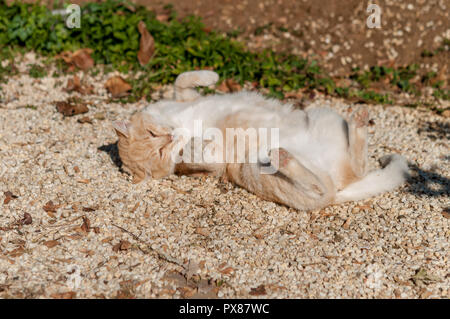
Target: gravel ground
{"x":196,"y":237}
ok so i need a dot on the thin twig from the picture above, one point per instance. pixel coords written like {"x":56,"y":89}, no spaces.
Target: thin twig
{"x":149,"y":247}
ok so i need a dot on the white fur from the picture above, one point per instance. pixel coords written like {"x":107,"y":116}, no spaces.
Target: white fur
{"x":317,"y":138}
{"x":376,"y":182}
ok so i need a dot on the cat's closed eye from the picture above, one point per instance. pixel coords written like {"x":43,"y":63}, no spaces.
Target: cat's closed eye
{"x":151,"y":133}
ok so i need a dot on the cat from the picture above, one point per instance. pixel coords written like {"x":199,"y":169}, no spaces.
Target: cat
{"x":321,"y":158}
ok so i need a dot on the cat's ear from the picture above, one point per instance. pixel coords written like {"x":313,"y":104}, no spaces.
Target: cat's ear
{"x":122,"y":128}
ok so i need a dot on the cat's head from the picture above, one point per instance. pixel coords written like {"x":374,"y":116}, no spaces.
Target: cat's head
{"x":144,"y":147}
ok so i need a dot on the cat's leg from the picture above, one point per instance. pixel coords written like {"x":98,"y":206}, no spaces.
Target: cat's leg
{"x":200,"y":169}
{"x":194,"y":161}
{"x":292,"y":184}
{"x":186,"y":82}
{"x":357,"y":141}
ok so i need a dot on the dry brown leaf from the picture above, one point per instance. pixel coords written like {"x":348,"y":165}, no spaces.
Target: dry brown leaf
{"x":122,"y":245}
{"x":107,"y":239}
{"x":62,"y":260}
{"x":78,"y":229}
{"x":82,"y":59}
{"x":4,"y":287}
{"x":17,"y":252}
{"x":50,"y":207}
{"x":89,"y":209}
{"x":75,"y":84}
{"x":69,"y":108}
{"x":258,"y":291}
{"x":223,"y":87}
{"x":233,"y":85}
{"x":125,"y":245}
{"x":146,"y":44}
{"x":88,"y":252}
{"x":85,"y":119}
{"x":8,"y":197}
{"x":202,"y":231}
{"x":446,"y":213}
{"x":65,"y":295}
{"x":117,"y":86}
{"x":229,"y":85}
{"x":226,"y":271}
{"x":66,"y":56}
{"x":51,"y":243}
{"x":74,"y":236}
{"x":76,"y":169}
{"x":86,"y":226}
{"x":26,"y":220}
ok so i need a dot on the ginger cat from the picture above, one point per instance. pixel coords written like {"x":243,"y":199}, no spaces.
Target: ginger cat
{"x":320,"y":159}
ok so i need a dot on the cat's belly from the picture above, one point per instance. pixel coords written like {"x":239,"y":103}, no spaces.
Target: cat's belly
{"x":326,"y":155}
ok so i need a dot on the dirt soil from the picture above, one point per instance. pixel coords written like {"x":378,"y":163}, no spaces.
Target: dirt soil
{"x":331,"y":31}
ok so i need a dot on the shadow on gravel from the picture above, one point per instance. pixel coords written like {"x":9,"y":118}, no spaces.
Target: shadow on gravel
{"x":113,"y":152}
{"x":435,"y":130}
{"x":427,"y":183}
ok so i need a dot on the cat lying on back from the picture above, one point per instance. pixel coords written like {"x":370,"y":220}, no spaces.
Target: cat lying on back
{"x":321,"y":158}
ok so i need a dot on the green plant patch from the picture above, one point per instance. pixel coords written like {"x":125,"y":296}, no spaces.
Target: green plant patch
{"x":110,"y":29}
{"x":36,"y":71}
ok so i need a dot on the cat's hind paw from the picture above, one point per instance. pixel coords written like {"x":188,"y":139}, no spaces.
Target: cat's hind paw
{"x":360,"y":117}
{"x":285,"y":162}
{"x":193,"y":79}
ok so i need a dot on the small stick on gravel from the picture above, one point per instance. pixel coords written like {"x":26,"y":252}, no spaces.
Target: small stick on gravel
{"x":148,"y":247}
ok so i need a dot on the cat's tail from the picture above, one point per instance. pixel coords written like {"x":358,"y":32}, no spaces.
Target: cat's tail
{"x":393,"y":174}
{"x":186,"y":83}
